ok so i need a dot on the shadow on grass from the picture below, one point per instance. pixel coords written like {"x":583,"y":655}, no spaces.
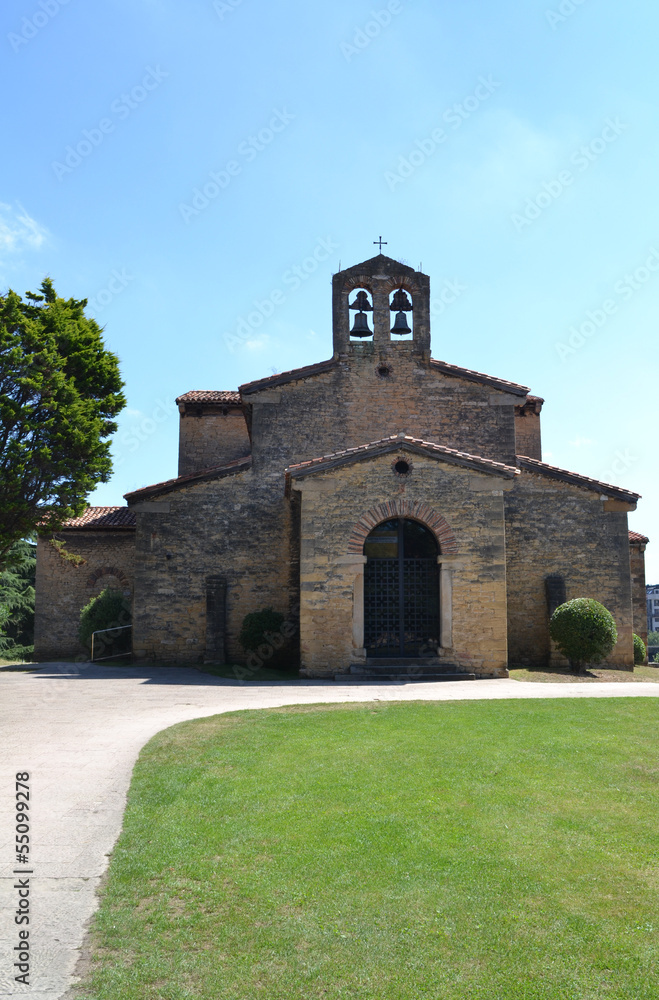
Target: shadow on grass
{"x":564,"y":674}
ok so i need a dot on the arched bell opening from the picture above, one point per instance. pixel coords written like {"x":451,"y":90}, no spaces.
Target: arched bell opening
{"x":360,"y":305}
{"x":401,"y":308}
{"x":401,"y":590}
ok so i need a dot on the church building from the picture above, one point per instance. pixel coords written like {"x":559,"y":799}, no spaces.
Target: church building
{"x":394,"y":508}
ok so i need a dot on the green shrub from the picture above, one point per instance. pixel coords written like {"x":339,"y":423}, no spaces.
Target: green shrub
{"x":257,"y":626}
{"x":109,"y":610}
{"x":584,"y":631}
{"x":269,"y":639}
{"x":640,"y":652}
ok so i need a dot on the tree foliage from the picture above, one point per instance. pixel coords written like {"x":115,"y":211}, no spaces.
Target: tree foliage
{"x":640,"y":652}
{"x":59,"y":390}
{"x":17,"y":601}
{"x":110,"y":609}
{"x":584,"y":631}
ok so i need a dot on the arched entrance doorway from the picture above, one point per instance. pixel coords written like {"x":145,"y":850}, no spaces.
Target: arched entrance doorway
{"x":401,"y":590}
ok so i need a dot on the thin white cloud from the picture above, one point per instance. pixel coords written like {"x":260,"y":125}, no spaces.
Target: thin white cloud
{"x":580,"y":442}
{"x":19,"y":231}
{"x":259,"y":344}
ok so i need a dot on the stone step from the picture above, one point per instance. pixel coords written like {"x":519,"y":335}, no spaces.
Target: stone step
{"x":400,"y":677}
{"x":411,"y":667}
{"x":402,"y":661}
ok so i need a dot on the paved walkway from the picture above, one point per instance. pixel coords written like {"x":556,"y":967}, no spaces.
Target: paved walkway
{"x":78,"y":730}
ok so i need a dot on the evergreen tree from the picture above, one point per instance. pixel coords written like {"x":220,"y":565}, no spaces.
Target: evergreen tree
{"x":17,"y":601}
{"x":59,"y":390}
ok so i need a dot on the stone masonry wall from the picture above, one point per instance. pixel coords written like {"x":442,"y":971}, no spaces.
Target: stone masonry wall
{"x":236,"y":528}
{"x":332,"y":503}
{"x":351,"y":405}
{"x":211,"y":436}
{"x":639,"y":598}
{"x":64,"y":589}
{"x":527,"y":434}
{"x":555,"y":528}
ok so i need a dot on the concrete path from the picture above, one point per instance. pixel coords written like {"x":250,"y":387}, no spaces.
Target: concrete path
{"x":78,"y":730}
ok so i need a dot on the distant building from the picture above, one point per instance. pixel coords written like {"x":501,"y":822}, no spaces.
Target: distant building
{"x":652,"y":598}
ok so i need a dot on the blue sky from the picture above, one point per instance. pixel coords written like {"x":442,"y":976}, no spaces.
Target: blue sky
{"x":175,"y":163}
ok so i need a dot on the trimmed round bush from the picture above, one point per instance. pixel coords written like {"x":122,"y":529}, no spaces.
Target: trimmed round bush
{"x":257,"y":626}
{"x":640,"y":652}
{"x":584,"y":631}
{"x":110,"y":609}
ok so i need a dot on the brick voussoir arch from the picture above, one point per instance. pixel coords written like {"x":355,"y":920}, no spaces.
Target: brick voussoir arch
{"x":414,"y":509}
{"x":93,"y":578}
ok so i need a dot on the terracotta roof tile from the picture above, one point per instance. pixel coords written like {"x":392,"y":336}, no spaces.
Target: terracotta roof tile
{"x":281,"y":378}
{"x":397,"y":441}
{"x":635,"y":537}
{"x":209,"y":396}
{"x":472,"y":376}
{"x":447,"y":369}
{"x":574,"y":478}
{"x":102,"y":519}
{"x":216,"y":472}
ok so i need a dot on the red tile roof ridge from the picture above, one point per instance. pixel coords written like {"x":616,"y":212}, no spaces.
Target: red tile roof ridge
{"x":533,"y":464}
{"x":209,"y":396}
{"x":234,"y":466}
{"x":399,"y":439}
{"x":102,"y":517}
{"x":472,"y":375}
{"x":635,"y":536}
{"x":290,"y":376}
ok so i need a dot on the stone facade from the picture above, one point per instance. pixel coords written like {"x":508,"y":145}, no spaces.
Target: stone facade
{"x":63,"y":587}
{"x":637,"y":545}
{"x":280,"y":483}
{"x":212,"y":431}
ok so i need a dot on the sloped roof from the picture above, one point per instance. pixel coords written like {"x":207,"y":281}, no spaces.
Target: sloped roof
{"x":102,"y":519}
{"x":472,"y":376}
{"x":634,"y":537}
{"x":217,"y":472}
{"x":281,"y":378}
{"x":398,"y":442}
{"x":454,"y":371}
{"x":209,"y":396}
{"x":378,"y":263}
{"x":574,"y":479}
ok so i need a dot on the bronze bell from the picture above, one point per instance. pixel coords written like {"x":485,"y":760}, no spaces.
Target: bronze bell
{"x":400,"y":326}
{"x":361,"y":327}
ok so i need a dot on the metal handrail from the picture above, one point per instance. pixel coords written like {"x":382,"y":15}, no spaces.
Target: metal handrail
{"x":114,"y":656}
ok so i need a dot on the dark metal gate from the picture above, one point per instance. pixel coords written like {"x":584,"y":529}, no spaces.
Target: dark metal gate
{"x":401,"y":590}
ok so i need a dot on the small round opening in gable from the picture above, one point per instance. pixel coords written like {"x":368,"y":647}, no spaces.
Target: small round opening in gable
{"x":383,"y":371}
{"x":402,"y":468}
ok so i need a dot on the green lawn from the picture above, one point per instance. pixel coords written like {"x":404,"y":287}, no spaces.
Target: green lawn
{"x":544,"y":675}
{"x":492,"y":850}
